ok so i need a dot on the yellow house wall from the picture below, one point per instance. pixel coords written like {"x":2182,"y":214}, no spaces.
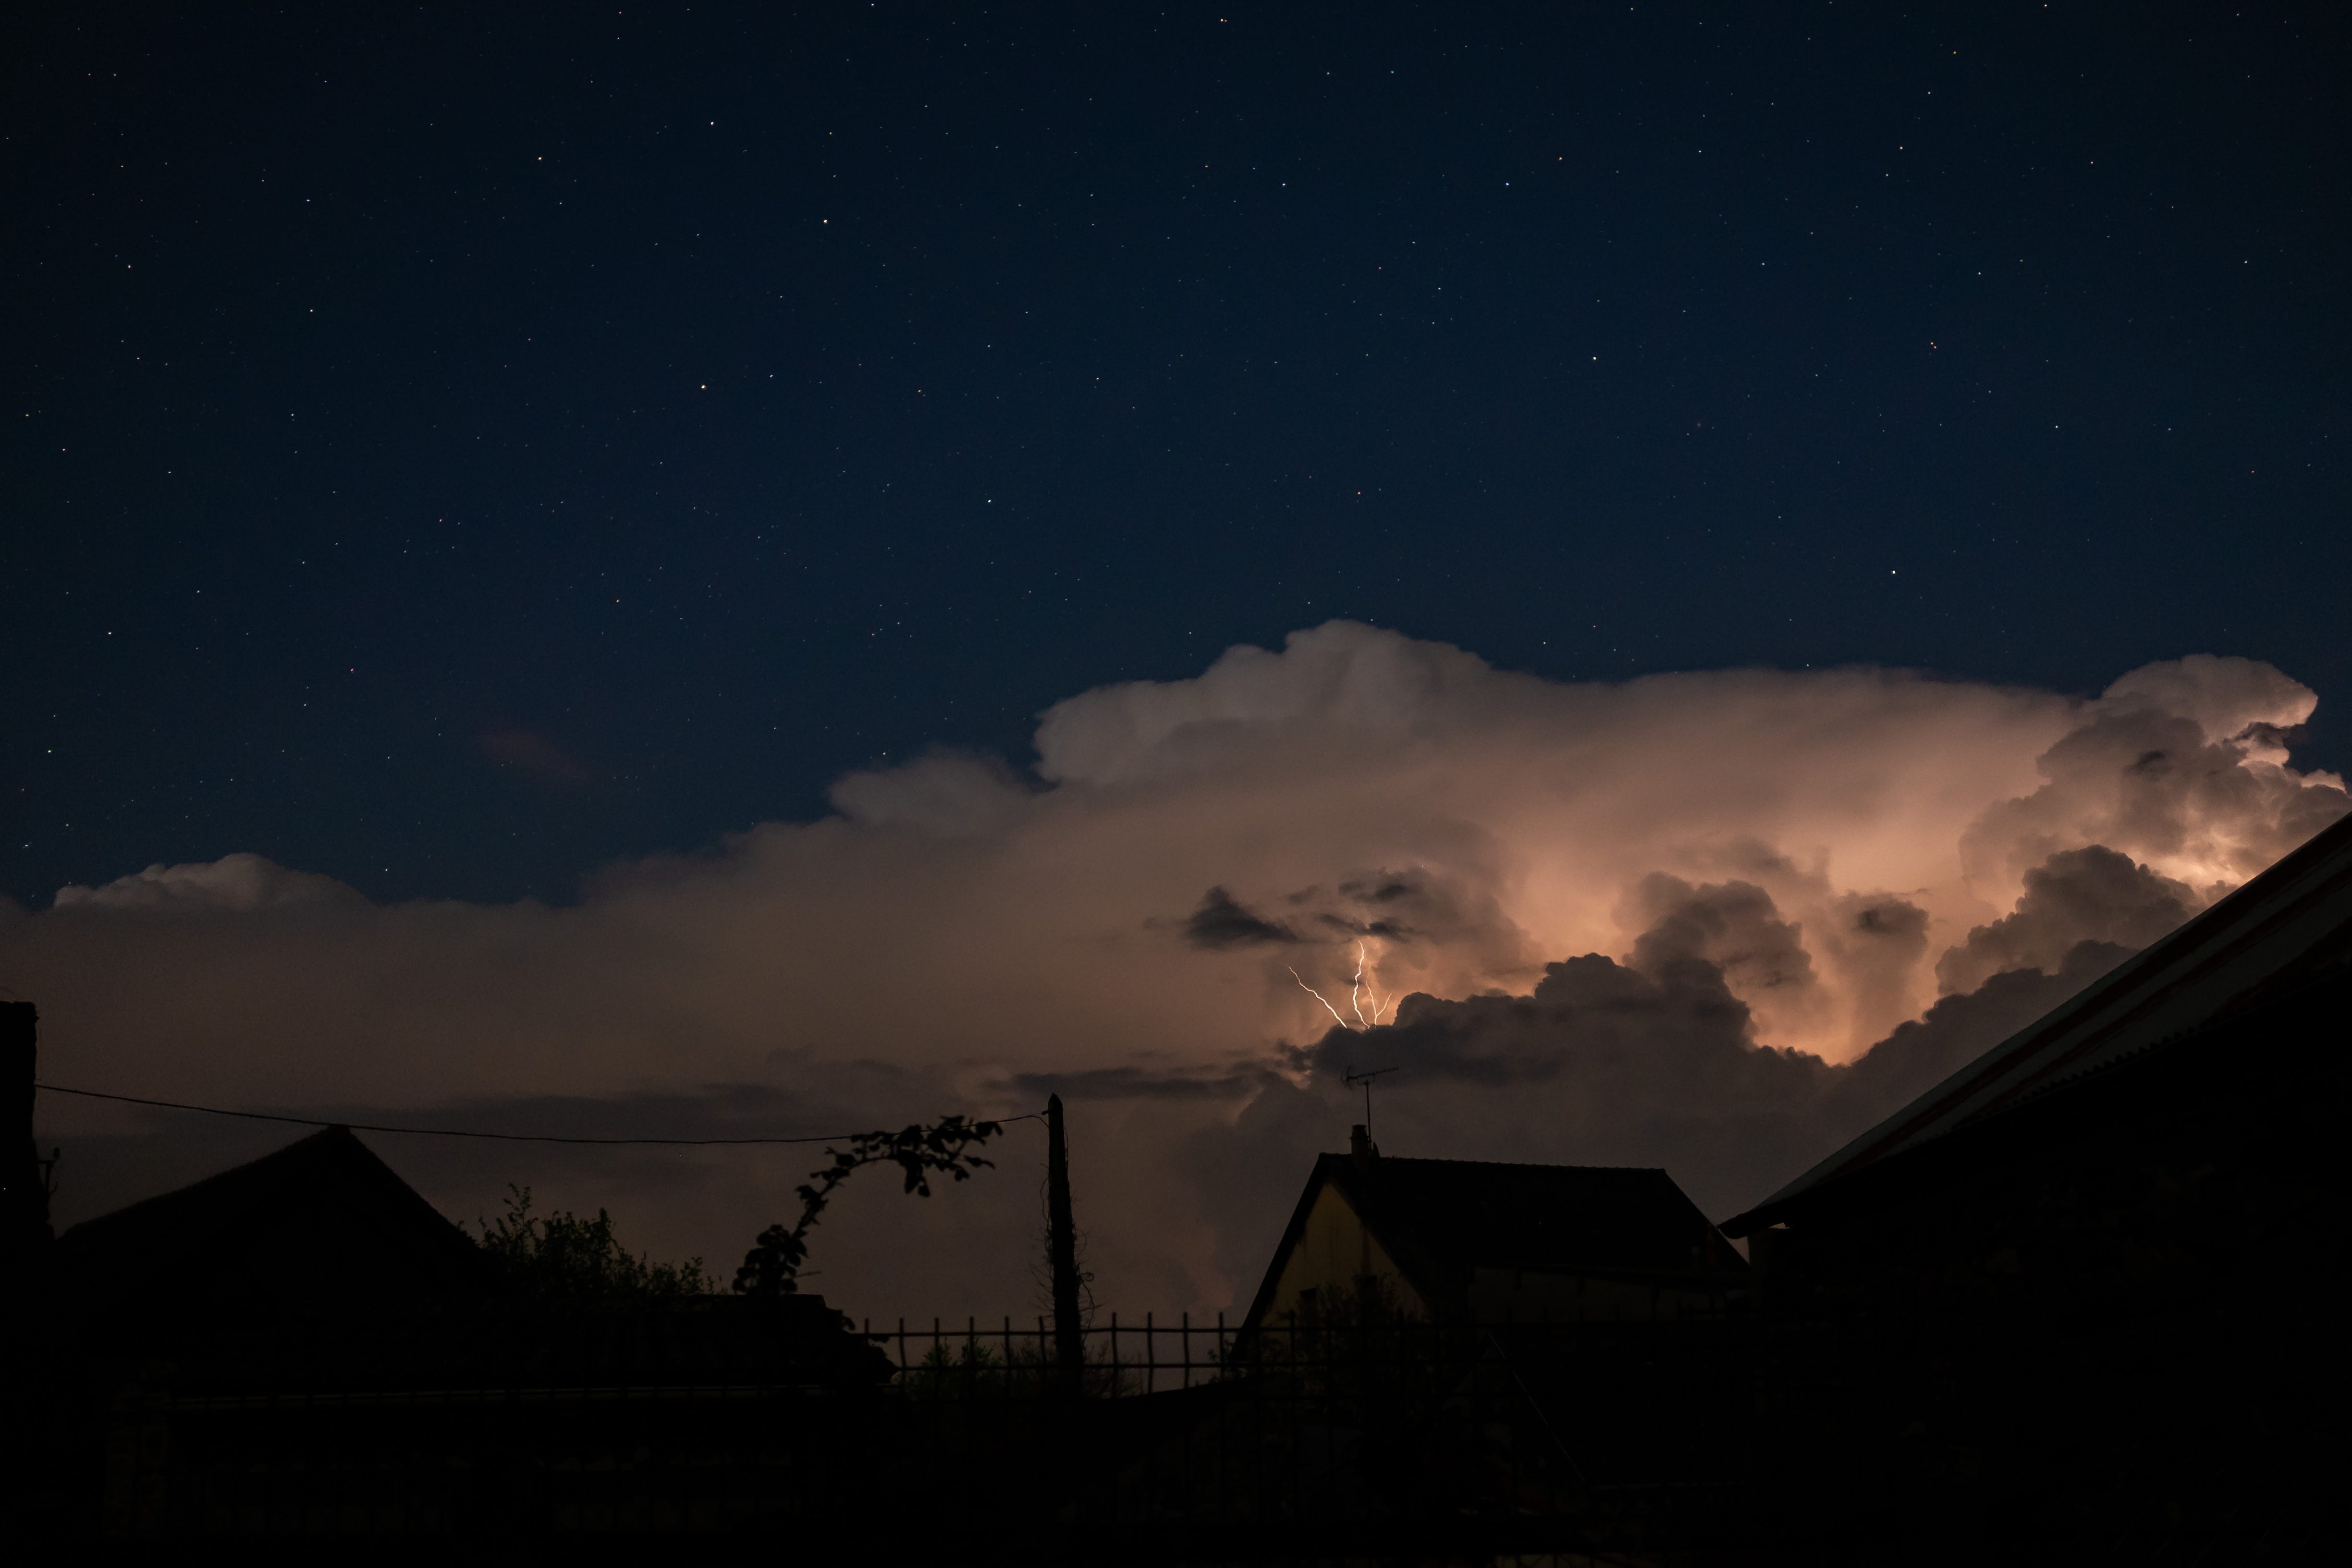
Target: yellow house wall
{"x":1334,"y":1251}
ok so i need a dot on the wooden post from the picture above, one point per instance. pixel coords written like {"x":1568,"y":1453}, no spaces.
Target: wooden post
{"x":24,"y":1184}
{"x":1062,"y":1248}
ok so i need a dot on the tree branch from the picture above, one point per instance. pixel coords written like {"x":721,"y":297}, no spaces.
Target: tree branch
{"x":772,"y":1266}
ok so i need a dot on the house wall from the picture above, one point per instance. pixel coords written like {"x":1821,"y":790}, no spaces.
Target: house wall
{"x":1528,"y":1295}
{"x":1334,"y":1251}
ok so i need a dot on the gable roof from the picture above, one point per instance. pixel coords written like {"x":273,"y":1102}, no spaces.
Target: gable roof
{"x":2285,"y":928}
{"x":320,"y":1217}
{"x":1441,"y":1219}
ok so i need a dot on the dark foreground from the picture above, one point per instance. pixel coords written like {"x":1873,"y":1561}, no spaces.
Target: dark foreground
{"x":728,"y":1422}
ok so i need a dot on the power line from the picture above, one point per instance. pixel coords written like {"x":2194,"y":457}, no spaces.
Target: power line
{"x":458,"y":1132}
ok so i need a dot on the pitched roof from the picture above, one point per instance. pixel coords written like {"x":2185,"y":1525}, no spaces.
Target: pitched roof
{"x":2288,"y":928}
{"x":1474,"y":1214}
{"x":1440,"y":1219}
{"x":321,"y":1216}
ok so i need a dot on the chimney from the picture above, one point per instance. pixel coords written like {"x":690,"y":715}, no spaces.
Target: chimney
{"x":1360,"y":1144}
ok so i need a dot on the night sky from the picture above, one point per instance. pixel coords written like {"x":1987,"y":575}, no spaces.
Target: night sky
{"x":451,"y":448}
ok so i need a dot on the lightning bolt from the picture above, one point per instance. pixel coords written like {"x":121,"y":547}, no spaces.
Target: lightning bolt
{"x":1355,"y":989}
{"x":1359,"y":990}
{"x":1318,"y":997}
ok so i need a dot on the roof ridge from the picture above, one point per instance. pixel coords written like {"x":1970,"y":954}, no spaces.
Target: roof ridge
{"x":215,"y":1182}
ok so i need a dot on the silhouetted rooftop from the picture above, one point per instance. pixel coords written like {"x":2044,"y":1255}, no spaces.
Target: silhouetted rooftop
{"x":2288,"y":927}
{"x":1472,"y":1214}
{"x":1443,"y":1220}
{"x":320,"y":1219}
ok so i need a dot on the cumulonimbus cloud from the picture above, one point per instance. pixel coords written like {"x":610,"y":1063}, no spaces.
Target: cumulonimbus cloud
{"x":1185,"y":915}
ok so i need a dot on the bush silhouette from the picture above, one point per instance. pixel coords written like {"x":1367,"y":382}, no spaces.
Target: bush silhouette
{"x":564,"y":1254}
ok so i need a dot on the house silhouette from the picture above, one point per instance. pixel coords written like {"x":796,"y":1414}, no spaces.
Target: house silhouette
{"x":2087,"y":1288}
{"x":302,"y":1345}
{"x":320,"y":1223}
{"x":1471,"y":1241}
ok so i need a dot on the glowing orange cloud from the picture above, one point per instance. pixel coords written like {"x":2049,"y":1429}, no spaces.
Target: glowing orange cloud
{"x":1375,"y":813}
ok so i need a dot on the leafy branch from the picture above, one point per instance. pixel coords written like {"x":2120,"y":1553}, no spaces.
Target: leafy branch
{"x":772,"y":1266}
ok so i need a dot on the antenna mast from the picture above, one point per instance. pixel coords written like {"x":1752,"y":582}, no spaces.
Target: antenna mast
{"x":1355,"y":1078}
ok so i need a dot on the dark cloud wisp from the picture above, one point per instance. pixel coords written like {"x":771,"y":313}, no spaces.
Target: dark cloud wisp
{"x":1222,"y":921}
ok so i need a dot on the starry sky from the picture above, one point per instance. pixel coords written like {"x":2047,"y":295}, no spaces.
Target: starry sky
{"x":452,"y":448}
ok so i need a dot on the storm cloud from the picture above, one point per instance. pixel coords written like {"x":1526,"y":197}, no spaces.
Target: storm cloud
{"x":1657,"y":1060}
{"x":1708,"y":921}
{"x":2092,"y":894}
{"x":1220,"y":922}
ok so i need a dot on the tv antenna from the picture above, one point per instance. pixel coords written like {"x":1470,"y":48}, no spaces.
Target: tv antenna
{"x":1355,"y":1078}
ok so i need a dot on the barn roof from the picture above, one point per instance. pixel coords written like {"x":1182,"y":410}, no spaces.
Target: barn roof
{"x":2288,"y":928}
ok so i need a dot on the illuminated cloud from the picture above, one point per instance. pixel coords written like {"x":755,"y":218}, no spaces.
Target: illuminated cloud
{"x":1646,"y":921}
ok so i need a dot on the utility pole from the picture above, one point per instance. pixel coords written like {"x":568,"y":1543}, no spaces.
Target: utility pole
{"x":25,"y":1233}
{"x":1062,"y":1248}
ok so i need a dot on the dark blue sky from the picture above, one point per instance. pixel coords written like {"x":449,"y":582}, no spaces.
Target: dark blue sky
{"x":450,"y":448}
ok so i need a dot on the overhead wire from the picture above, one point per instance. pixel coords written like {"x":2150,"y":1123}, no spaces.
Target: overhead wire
{"x":467,"y":1132}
